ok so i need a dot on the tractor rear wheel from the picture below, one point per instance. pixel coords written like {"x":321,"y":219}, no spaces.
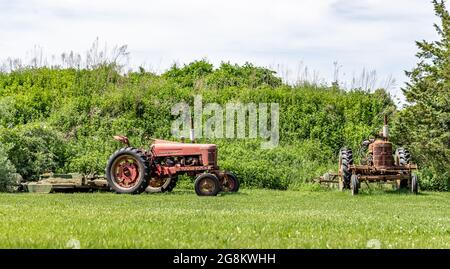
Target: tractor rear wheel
{"x":354,"y":184}
{"x":207,"y":185}
{"x":402,"y":157}
{"x":414,"y":184}
{"x":345,"y":160}
{"x":127,"y":171}
{"x":230,"y":183}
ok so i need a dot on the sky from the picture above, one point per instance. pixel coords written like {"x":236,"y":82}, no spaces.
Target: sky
{"x":300,"y":39}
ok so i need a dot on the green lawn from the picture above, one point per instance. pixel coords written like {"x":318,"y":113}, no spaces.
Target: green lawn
{"x":249,"y":219}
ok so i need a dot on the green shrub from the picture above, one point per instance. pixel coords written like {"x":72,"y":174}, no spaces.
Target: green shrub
{"x":249,"y":76}
{"x":190,"y":75}
{"x":90,"y":155}
{"x":7,"y":171}
{"x":201,"y":74}
{"x":34,"y":149}
{"x":433,"y":179}
{"x":279,"y":168}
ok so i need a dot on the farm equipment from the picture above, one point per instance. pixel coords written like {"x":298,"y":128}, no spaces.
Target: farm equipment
{"x":51,"y":182}
{"x":135,"y":170}
{"x":378,"y":165}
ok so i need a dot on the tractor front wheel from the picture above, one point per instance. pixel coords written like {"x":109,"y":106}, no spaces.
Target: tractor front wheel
{"x":354,"y":184}
{"x":414,"y":184}
{"x":207,"y":185}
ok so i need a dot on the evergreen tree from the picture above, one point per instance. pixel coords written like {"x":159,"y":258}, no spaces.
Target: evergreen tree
{"x":424,"y":124}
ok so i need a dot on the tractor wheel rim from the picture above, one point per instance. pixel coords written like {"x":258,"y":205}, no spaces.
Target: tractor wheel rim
{"x":126,"y":172}
{"x":207,"y":186}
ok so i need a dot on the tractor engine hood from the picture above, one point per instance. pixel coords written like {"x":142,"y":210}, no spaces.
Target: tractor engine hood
{"x":174,"y":148}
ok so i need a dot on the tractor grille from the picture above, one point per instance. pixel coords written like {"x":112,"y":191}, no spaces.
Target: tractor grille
{"x":212,"y":157}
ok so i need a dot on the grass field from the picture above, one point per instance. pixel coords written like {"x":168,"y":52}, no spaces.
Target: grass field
{"x":249,"y":219}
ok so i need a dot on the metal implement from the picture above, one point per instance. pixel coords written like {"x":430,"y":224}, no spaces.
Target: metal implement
{"x":65,"y":183}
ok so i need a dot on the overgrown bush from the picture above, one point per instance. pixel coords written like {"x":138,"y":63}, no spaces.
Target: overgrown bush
{"x":285,"y":166}
{"x":189,"y":75}
{"x":7,"y":171}
{"x":249,"y":76}
{"x":431,"y":178}
{"x":201,"y":74}
{"x":34,"y":149}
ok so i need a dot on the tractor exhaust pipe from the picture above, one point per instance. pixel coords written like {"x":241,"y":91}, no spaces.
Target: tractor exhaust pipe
{"x":385,"y":128}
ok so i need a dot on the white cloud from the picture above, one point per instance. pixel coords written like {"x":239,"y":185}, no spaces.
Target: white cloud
{"x":371,"y":34}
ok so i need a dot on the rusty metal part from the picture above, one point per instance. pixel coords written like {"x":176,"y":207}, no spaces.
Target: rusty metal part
{"x":123,"y":139}
{"x":382,"y":154}
{"x":157,"y":182}
{"x":393,"y":173}
{"x":392,"y":169}
{"x":384,"y":177}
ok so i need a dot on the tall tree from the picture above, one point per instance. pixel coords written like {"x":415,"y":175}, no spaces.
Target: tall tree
{"x":424,"y":124}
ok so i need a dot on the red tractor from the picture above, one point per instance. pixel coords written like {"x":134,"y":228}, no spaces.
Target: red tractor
{"x":134,"y":170}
